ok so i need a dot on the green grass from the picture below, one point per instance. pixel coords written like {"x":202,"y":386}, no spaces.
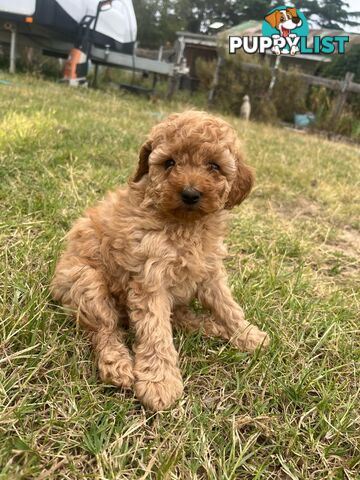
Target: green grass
{"x":289,"y":413}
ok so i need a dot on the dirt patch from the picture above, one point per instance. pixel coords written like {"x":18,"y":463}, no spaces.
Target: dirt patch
{"x":301,"y":208}
{"x":343,"y":254}
{"x":350,"y":242}
{"x":339,"y":256}
{"x":347,"y":243}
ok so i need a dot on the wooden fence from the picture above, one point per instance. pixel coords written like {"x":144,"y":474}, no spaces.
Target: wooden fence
{"x":342,"y":86}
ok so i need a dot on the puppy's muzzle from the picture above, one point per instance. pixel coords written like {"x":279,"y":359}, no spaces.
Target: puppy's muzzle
{"x":190,"y":196}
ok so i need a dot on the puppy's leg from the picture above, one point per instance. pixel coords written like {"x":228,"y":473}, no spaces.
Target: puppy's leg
{"x":183,"y":317}
{"x":82,"y":288}
{"x":157,"y":376}
{"x":114,"y":360}
{"x":216,"y":295}
{"x":211,"y":326}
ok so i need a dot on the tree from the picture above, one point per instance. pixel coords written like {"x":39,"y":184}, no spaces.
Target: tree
{"x":340,"y":64}
{"x":329,"y":13}
{"x":158,"y":20}
{"x":199,"y":14}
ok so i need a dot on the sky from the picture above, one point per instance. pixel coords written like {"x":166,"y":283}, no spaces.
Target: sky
{"x":354,"y":5}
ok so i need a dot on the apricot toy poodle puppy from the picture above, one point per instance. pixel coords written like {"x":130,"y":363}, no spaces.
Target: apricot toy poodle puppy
{"x":143,"y":253}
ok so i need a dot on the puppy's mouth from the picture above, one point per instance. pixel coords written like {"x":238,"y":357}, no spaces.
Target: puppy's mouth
{"x":289,"y":25}
{"x":188,"y":212}
{"x":195,"y":211}
{"x":188,"y":204}
{"x":284,"y":31}
{"x":189,"y":209}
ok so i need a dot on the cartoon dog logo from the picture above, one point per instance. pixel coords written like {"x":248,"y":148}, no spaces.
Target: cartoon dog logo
{"x":284,"y":20}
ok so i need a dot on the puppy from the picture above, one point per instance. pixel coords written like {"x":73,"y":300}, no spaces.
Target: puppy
{"x":143,"y":253}
{"x":285,"y":21}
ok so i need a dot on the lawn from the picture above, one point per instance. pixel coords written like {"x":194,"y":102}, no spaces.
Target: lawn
{"x":291,"y":412}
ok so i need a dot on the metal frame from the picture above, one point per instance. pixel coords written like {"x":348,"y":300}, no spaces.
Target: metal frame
{"x":122,"y":60}
{"x":99,"y":55}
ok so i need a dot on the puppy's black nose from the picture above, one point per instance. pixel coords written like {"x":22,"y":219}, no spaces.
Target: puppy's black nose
{"x":296,"y":20}
{"x":190,"y":195}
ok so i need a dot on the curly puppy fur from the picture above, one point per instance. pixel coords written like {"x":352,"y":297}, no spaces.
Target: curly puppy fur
{"x":144,"y":252}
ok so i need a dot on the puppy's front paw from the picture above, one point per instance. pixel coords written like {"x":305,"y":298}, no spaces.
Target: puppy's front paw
{"x":251,"y":339}
{"x":116,"y":367}
{"x":159,"y":395}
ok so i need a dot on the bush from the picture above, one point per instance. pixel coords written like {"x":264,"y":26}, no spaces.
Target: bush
{"x":205,"y":71}
{"x":32,"y":60}
{"x":235,"y":81}
{"x":265,"y":110}
{"x":289,"y":95}
{"x":322,"y":102}
{"x":341,"y":64}
{"x":349,"y":123}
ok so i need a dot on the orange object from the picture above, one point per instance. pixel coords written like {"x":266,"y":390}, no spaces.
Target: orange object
{"x":71,"y":64}
{"x":29,"y":19}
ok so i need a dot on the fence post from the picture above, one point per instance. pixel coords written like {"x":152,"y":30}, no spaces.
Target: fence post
{"x":174,"y":79}
{"x":215,"y":80}
{"x":274,"y":72}
{"x":12,"y":67}
{"x":341,"y":99}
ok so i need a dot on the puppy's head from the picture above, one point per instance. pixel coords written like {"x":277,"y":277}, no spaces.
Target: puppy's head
{"x":192,"y":165}
{"x":284,"y":20}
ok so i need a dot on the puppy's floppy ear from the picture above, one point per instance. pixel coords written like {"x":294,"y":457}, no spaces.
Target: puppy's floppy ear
{"x":143,"y":165}
{"x":243,"y":182}
{"x":273,"y":18}
{"x":292,"y":12}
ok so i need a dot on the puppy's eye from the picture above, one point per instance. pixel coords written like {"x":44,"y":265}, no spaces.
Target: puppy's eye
{"x":169,"y":163}
{"x":214,"y":167}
